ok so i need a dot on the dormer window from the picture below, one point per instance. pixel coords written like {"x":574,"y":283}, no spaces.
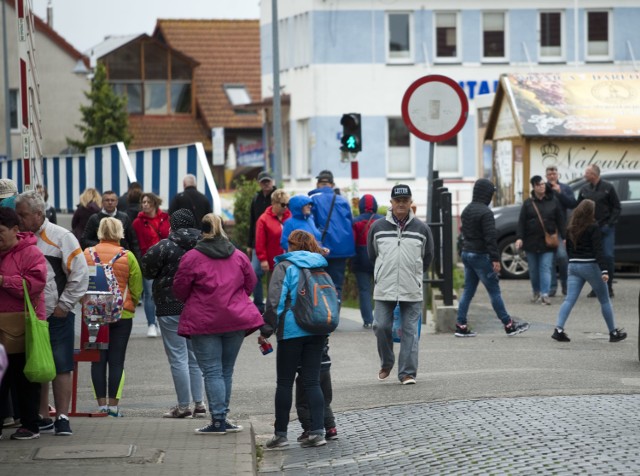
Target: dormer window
{"x":237,"y":94}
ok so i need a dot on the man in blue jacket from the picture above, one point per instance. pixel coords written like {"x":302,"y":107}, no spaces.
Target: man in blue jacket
{"x":333,"y":218}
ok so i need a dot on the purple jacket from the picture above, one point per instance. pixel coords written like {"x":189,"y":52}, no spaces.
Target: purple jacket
{"x":214,"y":280}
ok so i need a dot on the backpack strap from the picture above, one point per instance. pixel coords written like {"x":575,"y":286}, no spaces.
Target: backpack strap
{"x":326,"y":225}
{"x":94,"y":255}
{"x":118,"y":255}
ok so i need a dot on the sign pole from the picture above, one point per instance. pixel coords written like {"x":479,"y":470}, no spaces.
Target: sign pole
{"x":430,"y":161}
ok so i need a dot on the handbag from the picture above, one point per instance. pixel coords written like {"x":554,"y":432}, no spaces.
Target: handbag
{"x":40,"y":366}
{"x":12,"y":332}
{"x":550,"y":240}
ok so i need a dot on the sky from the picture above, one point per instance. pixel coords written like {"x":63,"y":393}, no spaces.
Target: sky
{"x":85,"y":23}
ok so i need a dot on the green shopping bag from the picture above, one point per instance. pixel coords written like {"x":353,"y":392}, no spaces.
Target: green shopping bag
{"x":40,"y":367}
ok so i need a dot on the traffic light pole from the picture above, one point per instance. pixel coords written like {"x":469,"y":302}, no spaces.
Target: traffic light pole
{"x":355,"y":176}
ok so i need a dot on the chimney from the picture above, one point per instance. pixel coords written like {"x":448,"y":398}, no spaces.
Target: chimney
{"x":50,"y":14}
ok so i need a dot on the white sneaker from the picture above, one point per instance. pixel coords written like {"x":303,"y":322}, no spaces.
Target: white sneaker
{"x":152,"y":331}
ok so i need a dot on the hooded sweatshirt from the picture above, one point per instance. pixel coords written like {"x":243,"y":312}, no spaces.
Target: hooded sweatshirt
{"x":214,"y":280}
{"x":361,"y":224}
{"x":478,"y":222}
{"x":298,"y":220}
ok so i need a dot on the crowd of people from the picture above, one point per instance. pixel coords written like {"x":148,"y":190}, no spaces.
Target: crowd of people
{"x":204,"y":296}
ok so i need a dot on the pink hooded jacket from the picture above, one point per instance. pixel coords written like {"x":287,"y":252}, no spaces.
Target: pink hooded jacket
{"x":214,"y":280}
{"x":24,"y":260}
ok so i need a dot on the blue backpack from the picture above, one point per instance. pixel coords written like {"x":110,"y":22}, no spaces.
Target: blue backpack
{"x":317,"y":306}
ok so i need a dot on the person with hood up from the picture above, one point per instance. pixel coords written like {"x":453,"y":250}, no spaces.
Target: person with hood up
{"x":301,"y":219}
{"x":361,"y":264}
{"x":540,"y":213}
{"x":269,"y":230}
{"x":298,"y":350}
{"x":160,"y":264}
{"x":215,"y":280}
{"x":482,"y":261}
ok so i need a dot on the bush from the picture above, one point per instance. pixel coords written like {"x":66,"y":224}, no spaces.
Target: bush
{"x":245,"y":191}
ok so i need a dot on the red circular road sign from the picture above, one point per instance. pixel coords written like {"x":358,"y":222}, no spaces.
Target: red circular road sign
{"x":435,"y":108}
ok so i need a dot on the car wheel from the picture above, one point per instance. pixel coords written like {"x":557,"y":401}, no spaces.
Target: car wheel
{"x":513,"y":263}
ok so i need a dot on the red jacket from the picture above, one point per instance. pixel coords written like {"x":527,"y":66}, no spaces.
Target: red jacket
{"x":151,"y":230}
{"x":268,"y":234}
{"x":25,"y":260}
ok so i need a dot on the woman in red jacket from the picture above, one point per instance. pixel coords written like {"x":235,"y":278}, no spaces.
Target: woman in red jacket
{"x":20,"y":258}
{"x":151,"y":226}
{"x":269,"y":230}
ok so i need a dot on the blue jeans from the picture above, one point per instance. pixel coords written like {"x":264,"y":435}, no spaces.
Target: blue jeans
{"x":479,"y":268}
{"x":561,"y":260}
{"x":186,"y":374}
{"x":608,"y":248}
{"x":147,"y":298}
{"x":540,"y":271}
{"x":365,"y":295}
{"x":336,"y":269}
{"x":306,"y":353}
{"x":578,"y":274}
{"x":409,"y":341}
{"x":216,"y":355}
{"x":258,"y":292}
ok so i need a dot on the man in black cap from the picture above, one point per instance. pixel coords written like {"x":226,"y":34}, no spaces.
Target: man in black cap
{"x":396,"y":244}
{"x":333,"y":218}
{"x":261,"y":201}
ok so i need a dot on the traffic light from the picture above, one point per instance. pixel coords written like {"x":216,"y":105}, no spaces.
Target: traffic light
{"x":351,"y":133}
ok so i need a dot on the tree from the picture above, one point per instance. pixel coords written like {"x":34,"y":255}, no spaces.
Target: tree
{"x":105,"y":120}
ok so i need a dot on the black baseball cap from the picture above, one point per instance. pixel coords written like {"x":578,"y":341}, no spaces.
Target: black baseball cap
{"x":264,"y":175}
{"x":400,"y":190}
{"x":325,"y":176}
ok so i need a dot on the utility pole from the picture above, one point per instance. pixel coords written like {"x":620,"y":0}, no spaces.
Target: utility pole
{"x":277,"y":117}
{"x":7,"y":106}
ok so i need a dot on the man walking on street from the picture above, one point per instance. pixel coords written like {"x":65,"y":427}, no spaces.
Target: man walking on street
{"x":607,"y":214}
{"x":397,"y":245}
{"x":260,"y":202}
{"x":67,"y":281}
{"x":563,"y":193}
{"x":333,"y":218}
{"x":482,"y":260}
{"x":191,"y":199}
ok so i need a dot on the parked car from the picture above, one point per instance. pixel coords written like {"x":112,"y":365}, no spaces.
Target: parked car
{"x":627,"y":250}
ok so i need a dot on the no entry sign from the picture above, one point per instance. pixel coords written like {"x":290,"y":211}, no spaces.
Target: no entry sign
{"x":435,"y":108}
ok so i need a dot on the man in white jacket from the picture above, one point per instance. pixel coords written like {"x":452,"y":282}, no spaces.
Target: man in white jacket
{"x":401,"y":249}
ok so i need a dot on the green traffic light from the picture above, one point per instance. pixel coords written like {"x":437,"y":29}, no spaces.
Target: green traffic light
{"x":351,"y":142}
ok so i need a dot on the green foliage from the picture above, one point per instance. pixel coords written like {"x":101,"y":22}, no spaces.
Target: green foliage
{"x":245,"y":191}
{"x":105,"y":120}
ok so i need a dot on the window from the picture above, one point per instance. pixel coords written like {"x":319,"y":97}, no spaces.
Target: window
{"x":598,"y":44}
{"x":155,"y":97}
{"x":303,"y":147}
{"x":13,"y":109}
{"x":399,"y":162}
{"x":493,"y":36}
{"x":237,"y":94}
{"x":634,"y":190}
{"x":447,"y":37}
{"x":399,"y":26}
{"x":446,"y":158}
{"x":132,"y":91}
{"x":551,"y":36}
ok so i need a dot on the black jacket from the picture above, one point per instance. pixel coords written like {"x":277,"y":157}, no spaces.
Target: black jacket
{"x":478,"y":224}
{"x":588,"y":248}
{"x":90,"y":235}
{"x":258,"y":205}
{"x":529,"y":227}
{"x":606,"y":199}
{"x":161,"y":263}
{"x":192,"y":200}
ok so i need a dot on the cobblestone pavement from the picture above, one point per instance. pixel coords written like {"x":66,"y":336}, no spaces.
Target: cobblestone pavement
{"x":592,"y":435}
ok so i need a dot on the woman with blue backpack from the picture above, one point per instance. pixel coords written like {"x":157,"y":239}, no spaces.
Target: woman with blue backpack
{"x":301,"y":327}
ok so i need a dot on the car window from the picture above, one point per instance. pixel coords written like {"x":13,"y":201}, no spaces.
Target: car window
{"x":634,"y":190}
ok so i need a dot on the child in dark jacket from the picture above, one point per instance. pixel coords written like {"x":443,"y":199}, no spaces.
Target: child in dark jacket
{"x":302,"y":404}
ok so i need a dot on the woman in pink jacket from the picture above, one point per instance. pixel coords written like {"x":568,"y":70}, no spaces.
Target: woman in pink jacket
{"x":20,"y":258}
{"x":214,"y":280}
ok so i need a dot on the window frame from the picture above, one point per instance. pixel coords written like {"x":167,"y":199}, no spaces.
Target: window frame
{"x":505,"y":36}
{"x":609,"y":55}
{"x":411,"y":149}
{"x":447,"y":59}
{"x":410,"y":59}
{"x":562,"y":57}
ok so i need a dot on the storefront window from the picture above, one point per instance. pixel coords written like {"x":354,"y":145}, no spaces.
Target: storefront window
{"x":399,"y":37}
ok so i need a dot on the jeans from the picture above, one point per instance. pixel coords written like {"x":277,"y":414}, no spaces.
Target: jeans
{"x":147,"y":298}
{"x":608,"y":247}
{"x":365,"y":295}
{"x":540,"y":271}
{"x":561,"y":260}
{"x":336,"y":269}
{"x":186,"y":374}
{"x":479,"y":268}
{"x":578,"y":274}
{"x":216,"y":355}
{"x":304,"y":352}
{"x":258,"y":292}
{"x":113,"y":357}
{"x":382,"y":327}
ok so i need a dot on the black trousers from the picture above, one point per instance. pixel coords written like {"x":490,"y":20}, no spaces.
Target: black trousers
{"x":27,"y":401}
{"x":113,"y":357}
